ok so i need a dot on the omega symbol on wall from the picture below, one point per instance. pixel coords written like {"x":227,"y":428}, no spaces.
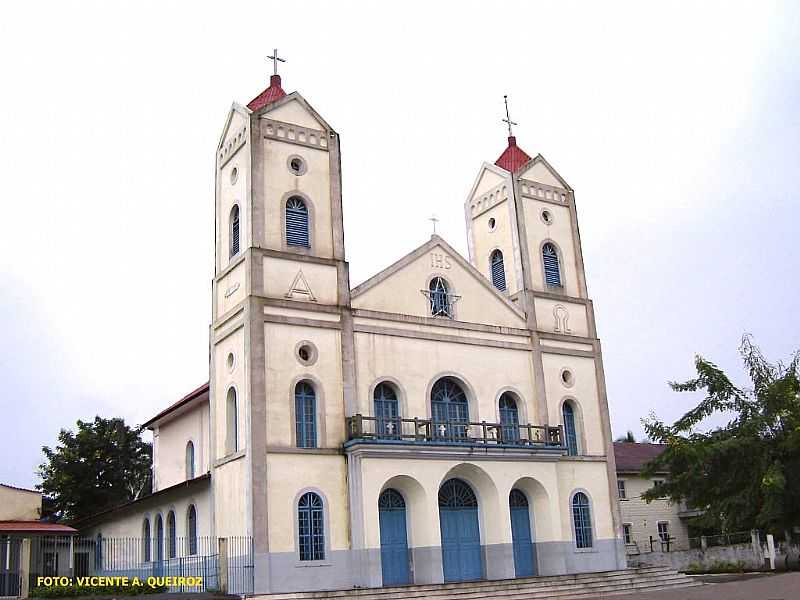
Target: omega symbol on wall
{"x":440,"y":261}
{"x":561,"y":316}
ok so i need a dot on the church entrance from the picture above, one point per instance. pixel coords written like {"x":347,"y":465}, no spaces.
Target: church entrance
{"x":458,"y":520}
{"x":394,"y":540}
{"x":524,"y":558}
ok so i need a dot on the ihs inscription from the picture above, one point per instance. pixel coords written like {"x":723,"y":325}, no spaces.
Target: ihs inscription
{"x":440,"y":261}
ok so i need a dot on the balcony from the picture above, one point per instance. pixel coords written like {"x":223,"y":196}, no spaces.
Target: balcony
{"x":361,"y":428}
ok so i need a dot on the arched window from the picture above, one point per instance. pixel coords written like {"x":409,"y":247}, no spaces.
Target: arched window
{"x":297,"y":223}
{"x":391,"y":500}
{"x":454,"y":493}
{"x":146,"y":541}
{"x":387,"y":413}
{"x":582,"y":520}
{"x":159,"y":538}
{"x":498,"y":270}
{"x":509,"y":418}
{"x":190,"y":460}
{"x":449,"y":409}
{"x":234,"y":233}
{"x":552,"y":268}
{"x":311,"y":527}
{"x":440,"y":298}
{"x":305,"y":415}
{"x":570,"y":431}
{"x":172,"y":535}
{"x":231,"y":422}
{"x":191,"y":530}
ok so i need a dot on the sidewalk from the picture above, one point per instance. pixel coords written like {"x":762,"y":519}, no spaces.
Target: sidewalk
{"x":785,"y":586}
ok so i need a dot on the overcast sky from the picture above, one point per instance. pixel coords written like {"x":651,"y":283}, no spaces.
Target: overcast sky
{"x":677,"y":125}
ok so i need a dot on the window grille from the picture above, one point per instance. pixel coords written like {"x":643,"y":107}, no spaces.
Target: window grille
{"x":582,"y":520}
{"x":311,"y":528}
{"x":305,"y":406}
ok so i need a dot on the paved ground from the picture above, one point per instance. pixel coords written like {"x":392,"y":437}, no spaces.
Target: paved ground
{"x":785,"y":586}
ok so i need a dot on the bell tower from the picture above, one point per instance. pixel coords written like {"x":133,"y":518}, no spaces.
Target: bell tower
{"x":281,"y":318}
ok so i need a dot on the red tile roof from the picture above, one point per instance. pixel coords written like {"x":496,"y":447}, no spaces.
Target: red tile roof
{"x":632,"y":456}
{"x":34,"y":527}
{"x":21,"y":489}
{"x":196,"y":393}
{"x":513,"y":157}
{"x":268,"y":96}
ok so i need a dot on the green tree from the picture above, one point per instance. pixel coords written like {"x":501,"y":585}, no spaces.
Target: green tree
{"x":747,"y":473}
{"x":103,"y":464}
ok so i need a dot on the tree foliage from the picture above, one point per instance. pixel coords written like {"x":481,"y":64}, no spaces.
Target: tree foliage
{"x":746,"y":474}
{"x":103,"y":464}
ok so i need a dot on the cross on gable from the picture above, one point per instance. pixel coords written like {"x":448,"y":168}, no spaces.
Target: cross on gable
{"x":275,"y":60}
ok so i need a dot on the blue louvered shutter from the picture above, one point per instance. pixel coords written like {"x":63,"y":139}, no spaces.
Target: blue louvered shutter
{"x":297,"y":222}
{"x":235,"y":231}
{"x":552,"y":270}
{"x":498,"y":271}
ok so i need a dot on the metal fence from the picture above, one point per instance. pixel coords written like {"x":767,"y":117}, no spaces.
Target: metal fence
{"x":209,"y":563}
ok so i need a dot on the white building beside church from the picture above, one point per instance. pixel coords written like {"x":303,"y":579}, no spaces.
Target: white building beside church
{"x":445,"y":420}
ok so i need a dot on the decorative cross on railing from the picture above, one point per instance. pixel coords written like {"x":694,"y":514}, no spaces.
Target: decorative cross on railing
{"x":390,"y":428}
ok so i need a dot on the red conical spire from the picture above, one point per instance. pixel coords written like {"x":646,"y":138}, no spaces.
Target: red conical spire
{"x":513,"y":157}
{"x":268,"y":96}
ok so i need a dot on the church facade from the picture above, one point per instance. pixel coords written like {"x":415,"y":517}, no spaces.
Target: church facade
{"x":445,"y":420}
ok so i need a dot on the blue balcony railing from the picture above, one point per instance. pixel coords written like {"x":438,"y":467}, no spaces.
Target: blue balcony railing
{"x":417,"y":430}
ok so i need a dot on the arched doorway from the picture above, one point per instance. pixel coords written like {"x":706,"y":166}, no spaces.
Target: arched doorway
{"x":394,"y":539}
{"x":461,"y":543}
{"x":524,"y":558}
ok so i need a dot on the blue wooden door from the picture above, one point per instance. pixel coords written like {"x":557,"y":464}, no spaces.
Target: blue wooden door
{"x":461,"y":544}
{"x":524,"y":558}
{"x":394,"y":540}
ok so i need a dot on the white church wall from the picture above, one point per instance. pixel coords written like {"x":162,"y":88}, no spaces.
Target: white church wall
{"x":582,"y":391}
{"x":313,"y":186}
{"x":173,"y":436}
{"x":231,"y":288}
{"x":561,"y":316}
{"x":558,"y":232}
{"x":230,"y":372}
{"x":232,"y":184}
{"x":281,"y":280}
{"x":284,"y":370}
{"x":230,"y":497}
{"x":484,"y":370}
{"x":487,"y":239}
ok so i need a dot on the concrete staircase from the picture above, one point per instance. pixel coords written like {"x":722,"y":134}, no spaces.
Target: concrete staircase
{"x":563,"y":587}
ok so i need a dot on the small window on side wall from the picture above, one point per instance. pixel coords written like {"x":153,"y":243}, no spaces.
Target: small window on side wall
{"x":231,"y":422}
{"x":498,"y":270}
{"x":297,"y":223}
{"x":234,"y":230}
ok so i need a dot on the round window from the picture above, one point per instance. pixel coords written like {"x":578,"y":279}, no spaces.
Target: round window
{"x":296,"y":165}
{"x":492,"y":224}
{"x":567,"y":378}
{"x":306,"y":353}
{"x":230,"y":361}
{"x":234,"y":175}
{"x":547,"y":217}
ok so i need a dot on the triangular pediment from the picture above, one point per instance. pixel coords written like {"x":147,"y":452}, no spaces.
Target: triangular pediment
{"x":237,"y":119}
{"x":539,"y":170}
{"x":402,"y":288}
{"x":293,"y":108}
{"x":488,"y":177}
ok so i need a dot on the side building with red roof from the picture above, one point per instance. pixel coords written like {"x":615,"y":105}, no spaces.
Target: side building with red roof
{"x":646,"y":526}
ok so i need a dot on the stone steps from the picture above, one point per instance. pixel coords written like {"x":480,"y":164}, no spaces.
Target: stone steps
{"x":563,"y":587}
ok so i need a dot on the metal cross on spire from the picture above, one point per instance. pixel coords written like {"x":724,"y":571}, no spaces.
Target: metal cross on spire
{"x":508,"y":120}
{"x":433,"y":220}
{"x":275,"y":60}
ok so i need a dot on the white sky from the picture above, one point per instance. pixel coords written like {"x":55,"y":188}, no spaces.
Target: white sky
{"x":676,"y":123}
